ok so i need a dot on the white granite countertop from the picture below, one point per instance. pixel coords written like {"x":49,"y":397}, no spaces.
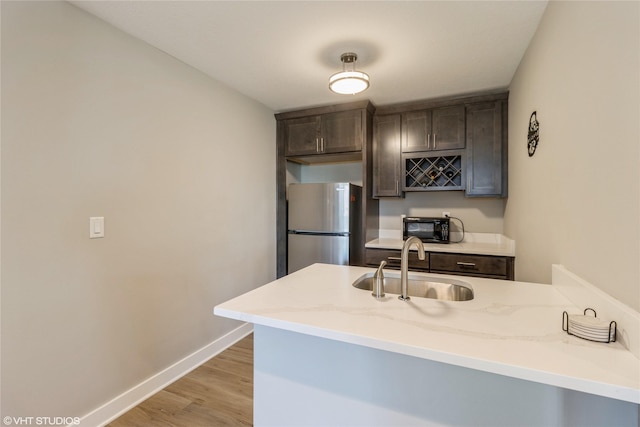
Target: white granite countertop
{"x":509,"y":328}
{"x":473,"y":243}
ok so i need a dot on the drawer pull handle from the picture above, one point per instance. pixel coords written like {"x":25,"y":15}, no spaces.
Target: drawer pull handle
{"x":394,"y":258}
{"x":466,"y":264}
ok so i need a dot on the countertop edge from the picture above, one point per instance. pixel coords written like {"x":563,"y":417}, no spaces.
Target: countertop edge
{"x":505,"y":248}
{"x":543,"y":377}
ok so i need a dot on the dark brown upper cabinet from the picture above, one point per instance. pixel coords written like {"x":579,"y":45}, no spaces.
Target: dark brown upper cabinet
{"x":387,"y":152}
{"x":338,"y":132}
{"x":453,"y":143}
{"x":486,"y":166}
{"x":435,"y":129}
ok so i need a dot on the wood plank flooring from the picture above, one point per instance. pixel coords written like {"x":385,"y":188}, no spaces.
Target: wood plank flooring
{"x":218,"y":393}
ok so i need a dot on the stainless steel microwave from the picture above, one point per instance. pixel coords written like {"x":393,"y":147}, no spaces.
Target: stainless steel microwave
{"x":429,"y":230}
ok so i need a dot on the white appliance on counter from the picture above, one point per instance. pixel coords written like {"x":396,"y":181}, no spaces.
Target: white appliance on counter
{"x":324,"y":224}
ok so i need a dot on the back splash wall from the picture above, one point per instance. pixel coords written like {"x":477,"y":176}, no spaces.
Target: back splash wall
{"x":478,"y":214}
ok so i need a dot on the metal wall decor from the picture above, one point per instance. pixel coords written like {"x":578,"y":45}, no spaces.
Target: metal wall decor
{"x":533,"y":136}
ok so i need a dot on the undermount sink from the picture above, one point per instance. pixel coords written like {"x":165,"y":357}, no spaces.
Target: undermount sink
{"x":418,"y":286}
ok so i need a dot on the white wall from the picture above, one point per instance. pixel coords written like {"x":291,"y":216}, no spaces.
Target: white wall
{"x":97,"y":123}
{"x":338,"y":172}
{"x":329,"y":172}
{"x":577,"y":201}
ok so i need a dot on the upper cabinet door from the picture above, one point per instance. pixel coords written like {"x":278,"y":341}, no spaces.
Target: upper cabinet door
{"x":342,"y":132}
{"x":486,"y":150}
{"x":437,"y":129}
{"x":447,"y":126}
{"x":416,"y":131}
{"x":302,"y":136}
{"x":387,"y":158}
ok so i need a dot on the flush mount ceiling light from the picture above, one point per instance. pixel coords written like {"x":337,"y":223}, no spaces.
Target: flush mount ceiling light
{"x":349,"y":81}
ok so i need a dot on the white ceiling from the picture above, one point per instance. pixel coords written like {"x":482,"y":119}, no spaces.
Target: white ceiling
{"x":282,"y":53}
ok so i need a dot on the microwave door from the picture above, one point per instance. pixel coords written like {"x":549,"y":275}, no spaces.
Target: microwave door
{"x":428,"y":230}
{"x":423,"y":230}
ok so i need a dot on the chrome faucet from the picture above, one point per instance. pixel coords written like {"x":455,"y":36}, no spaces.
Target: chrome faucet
{"x":378,"y":281}
{"x":404,"y":264}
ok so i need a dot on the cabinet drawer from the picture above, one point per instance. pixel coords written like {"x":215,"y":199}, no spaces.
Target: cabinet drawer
{"x":472,"y":265}
{"x":392,"y":256}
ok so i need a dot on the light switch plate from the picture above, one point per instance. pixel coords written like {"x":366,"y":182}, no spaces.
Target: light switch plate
{"x":96,"y":227}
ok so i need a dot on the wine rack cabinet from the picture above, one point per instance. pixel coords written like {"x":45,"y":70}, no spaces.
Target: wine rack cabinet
{"x":435,"y":172}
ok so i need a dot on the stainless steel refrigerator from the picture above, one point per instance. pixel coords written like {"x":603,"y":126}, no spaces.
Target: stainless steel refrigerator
{"x":324,"y":225}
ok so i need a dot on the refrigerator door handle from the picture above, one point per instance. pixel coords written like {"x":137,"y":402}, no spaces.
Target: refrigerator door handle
{"x":317,"y":233}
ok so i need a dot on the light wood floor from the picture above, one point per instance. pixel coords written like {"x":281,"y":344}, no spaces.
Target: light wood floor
{"x":218,"y":393}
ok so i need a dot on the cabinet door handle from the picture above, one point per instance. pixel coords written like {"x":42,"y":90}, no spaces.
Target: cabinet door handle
{"x":317,"y":145}
{"x":434,"y":140}
{"x":397,"y":188}
{"x":322,"y":145}
{"x":428,"y":140}
{"x":466,"y":264}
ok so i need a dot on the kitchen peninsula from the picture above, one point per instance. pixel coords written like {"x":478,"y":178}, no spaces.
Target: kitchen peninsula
{"x":327,"y":353}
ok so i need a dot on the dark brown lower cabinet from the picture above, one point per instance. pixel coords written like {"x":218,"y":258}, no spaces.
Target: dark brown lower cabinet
{"x":488,"y":266}
{"x":392,"y":257}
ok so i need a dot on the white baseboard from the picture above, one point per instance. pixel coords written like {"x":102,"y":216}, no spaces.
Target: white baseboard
{"x":132,"y":397}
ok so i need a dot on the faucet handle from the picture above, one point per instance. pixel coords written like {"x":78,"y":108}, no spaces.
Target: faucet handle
{"x":379,"y":270}
{"x":378,"y":281}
